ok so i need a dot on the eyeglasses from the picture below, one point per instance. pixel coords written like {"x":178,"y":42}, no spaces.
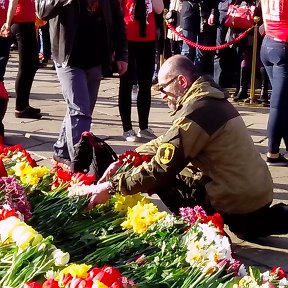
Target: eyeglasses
{"x":161,"y":87}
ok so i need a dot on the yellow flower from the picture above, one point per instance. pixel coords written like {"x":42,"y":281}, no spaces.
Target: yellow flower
{"x":25,"y":239}
{"x":98,"y":284}
{"x":30,"y":179}
{"x":37,"y":239}
{"x":41,"y":171}
{"x":76,"y":270}
{"x":122,"y":203}
{"x":141,"y":216}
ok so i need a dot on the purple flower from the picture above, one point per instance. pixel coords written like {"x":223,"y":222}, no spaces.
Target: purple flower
{"x":192,"y":214}
{"x":13,"y":194}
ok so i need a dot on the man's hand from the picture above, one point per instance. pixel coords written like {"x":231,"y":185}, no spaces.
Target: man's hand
{"x":110,"y":171}
{"x":100,"y":195}
{"x":121,"y":67}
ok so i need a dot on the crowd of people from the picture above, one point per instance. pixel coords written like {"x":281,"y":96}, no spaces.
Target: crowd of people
{"x":88,"y":37}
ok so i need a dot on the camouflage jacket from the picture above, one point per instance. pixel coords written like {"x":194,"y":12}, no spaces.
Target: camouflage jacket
{"x":209,"y":133}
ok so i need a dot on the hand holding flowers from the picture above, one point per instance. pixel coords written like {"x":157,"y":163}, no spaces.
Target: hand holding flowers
{"x":110,"y":171}
{"x":100,"y":194}
{"x":125,"y":163}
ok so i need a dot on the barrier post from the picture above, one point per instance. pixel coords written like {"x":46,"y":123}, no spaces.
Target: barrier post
{"x":165,"y":29}
{"x":254,"y":60}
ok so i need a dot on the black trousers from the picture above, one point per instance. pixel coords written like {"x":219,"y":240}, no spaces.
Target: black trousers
{"x":141,"y":62}
{"x":28,"y":61}
{"x":268,"y":220}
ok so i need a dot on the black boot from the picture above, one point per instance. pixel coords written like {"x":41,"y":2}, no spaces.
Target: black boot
{"x":264,"y":99}
{"x":3,"y":108}
{"x":244,"y":82}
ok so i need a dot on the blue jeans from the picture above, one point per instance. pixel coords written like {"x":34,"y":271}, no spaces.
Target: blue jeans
{"x":80,"y":89}
{"x":274,"y":55}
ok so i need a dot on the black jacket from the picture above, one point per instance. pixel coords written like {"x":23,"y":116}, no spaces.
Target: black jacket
{"x":63,"y":16}
{"x":193,"y":12}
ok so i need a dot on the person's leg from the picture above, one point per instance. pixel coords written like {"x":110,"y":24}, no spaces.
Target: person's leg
{"x":261,"y":223}
{"x":274,"y":56}
{"x":222,"y":58}
{"x":175,"y":47}
{"x":144,"y":66}
{"x":46,"y":45}
{"x":77,"y":91}
{"x":184,"y":192}
{"x":125,"y":89}
{"x":203,"y":58}
{"x":28,"y":64}
{"x":94,"y":76}
{"x":4,"y":98}
{"x":264,"y":86}
{"x":188,"y":50}
{"x":245,"y":74}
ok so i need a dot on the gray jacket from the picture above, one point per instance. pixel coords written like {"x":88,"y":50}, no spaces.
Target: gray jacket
{"x":63,"y":16}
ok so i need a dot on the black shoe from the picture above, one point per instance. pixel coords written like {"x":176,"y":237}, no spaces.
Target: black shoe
{"x":29,"y":112}
{"x":241,"y":96}
{"x":279,"y":161}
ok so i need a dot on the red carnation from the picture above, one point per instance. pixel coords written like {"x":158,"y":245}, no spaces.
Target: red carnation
{"x":279,"y":272}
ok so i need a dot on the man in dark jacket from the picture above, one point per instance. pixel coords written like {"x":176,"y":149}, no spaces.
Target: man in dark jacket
{"x":207,"y":134}
{"x":85,"y":35}
{"x":197,"y":21}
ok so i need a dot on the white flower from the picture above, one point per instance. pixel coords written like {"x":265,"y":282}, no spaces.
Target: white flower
{"x":51,"y":274}
{"x":242,"y":271}
{"x":21,"y":229}
{"x":266,"y":276}
{"x":283,"y":283}
{"x":78,"y":189}
{"x":7,"y":226}
{"x":61,"y":258}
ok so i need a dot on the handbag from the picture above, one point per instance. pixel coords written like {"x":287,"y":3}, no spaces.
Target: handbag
{"x":240,"y":16}
{"x":92,"y":155}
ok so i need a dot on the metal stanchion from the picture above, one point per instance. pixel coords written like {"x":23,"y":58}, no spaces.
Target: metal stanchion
{"x":254,"y":61}
{"x":162,"y":57}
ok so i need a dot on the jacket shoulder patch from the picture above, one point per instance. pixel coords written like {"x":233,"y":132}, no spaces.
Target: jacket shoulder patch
{"x":165,"y":153}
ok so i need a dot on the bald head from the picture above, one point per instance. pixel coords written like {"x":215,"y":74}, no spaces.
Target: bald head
{"x":179,"y":65}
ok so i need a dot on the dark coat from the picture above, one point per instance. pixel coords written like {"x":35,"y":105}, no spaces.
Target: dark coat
{"x":63,"y":16}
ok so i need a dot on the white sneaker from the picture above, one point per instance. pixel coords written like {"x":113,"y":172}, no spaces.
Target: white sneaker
{"x":146,"y":134}
{"x":130,"y":136}
{"x":134,"y":93}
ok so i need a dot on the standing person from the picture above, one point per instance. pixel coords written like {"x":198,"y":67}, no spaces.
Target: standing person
{"x":173,"y":17}
{"x":44,"y":44}
{"x":274,"y":56}
{"x":197,"y":22}
{"x":20,"y":21}
{"x":223,"y":69}
{"x":141,"y":33}
{"x":5,"y":42}
{"x":84,"y":36}
{"x":207,"y":133}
